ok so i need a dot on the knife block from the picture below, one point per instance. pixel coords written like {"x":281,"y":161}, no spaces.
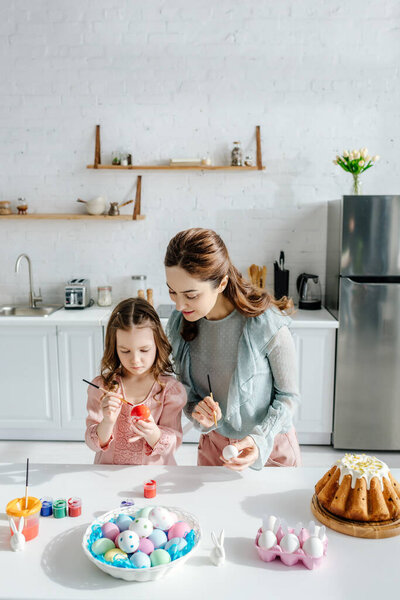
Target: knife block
{"x":281,"y":282}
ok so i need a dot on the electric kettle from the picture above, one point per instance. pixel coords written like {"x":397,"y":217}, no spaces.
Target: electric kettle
{"x":309,"y":288}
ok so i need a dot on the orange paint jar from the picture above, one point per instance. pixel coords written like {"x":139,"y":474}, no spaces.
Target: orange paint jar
{"x":16,"y":509}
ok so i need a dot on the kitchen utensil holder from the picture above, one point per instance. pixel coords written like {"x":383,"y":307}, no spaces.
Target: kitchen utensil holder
{"x":281,"y":282}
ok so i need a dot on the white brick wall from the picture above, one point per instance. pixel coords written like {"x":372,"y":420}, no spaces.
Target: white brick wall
{"x":184,"y":78}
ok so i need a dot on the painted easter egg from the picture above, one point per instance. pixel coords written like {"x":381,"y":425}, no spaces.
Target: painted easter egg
{"x":123,"y":522}
{"x":159,"y":538}
{"x":161,"y":518}
{"x":102,"y":545}
{"x":110,"y":530}
{"x":144,"y":512}
{"x":146,"y":545}
{"x":142,"y":526}
{"x":159,"y":557}
{"x":140,"y":412}
{"x":128,"y":541}
{"x":140,"y":560}
{"x":115,"y":554}
{"x":179,"y":542}
{"x":229,"y":452}
{"x":179,"y":529}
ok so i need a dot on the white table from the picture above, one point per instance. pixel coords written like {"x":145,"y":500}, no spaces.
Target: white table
{"x":54,"y":565}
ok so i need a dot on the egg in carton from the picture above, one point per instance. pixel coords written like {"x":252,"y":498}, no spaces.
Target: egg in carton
{"x":275,"y":539}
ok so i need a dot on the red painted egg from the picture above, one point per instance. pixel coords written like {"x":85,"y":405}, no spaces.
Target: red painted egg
{"x":140,"y":412}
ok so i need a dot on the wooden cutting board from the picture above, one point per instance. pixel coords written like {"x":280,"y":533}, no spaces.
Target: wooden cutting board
{"x":359,"y":529}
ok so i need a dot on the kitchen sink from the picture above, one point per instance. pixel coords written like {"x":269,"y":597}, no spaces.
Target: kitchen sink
{"x":28,"y":311}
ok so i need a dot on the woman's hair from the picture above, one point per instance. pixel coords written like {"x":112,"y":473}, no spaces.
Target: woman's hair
{"x":128,"y":313}
{"x":203,"y":254}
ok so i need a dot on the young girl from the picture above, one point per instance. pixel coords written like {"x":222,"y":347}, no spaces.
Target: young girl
{"x":135,"y":365}
{"x":237,"y":334}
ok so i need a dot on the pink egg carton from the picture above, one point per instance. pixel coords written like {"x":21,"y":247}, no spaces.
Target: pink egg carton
{"x":291,"y":558}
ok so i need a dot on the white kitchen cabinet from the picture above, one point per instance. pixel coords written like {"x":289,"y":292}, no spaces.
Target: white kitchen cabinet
{"x":316,"y":366}
{"x":44,"y":397}
{"x":30,"y":400}
{"x":80,"y":350}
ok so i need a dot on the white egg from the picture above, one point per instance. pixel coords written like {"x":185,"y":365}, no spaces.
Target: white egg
{"x":142,"y":527}
{"x":267,"y":539}
{"x":313,"y":547}
{"x":128,"y":541}
{"x":290,"y":543}
{"x":161,"y":518}
{"x":230,"y":452}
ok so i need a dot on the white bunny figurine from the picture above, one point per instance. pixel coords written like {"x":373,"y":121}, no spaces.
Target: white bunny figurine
{"x":313,"y":546}
{"x":270,"y":527}
{"x":290,"y":541}
{"x":217,"y":555}
{"x":18,"y":539}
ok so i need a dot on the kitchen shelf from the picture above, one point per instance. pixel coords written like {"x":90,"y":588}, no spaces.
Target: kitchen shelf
{"x":97,"y":161}
{"x":73,"y":216}
{"x":173,"y":168}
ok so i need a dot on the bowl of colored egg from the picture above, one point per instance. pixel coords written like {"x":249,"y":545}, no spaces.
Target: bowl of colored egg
{"x":141,"y":544}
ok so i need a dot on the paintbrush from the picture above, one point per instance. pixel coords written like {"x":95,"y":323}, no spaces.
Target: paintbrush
{"x":26,"y":483}
{"x":212,"y":398}
{"x":108,"y":392}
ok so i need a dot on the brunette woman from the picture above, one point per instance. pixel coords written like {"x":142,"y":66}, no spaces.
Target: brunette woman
{"x":239,"y":335}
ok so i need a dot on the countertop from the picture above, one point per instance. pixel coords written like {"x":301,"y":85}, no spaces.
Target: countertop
{"x":96,"y":315}
{"x":54,"y":565}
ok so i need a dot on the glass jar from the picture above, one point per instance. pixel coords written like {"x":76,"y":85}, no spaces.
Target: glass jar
{"x":236,"y":156}
{"x":139,"y":284}
{"x":104,"y":297}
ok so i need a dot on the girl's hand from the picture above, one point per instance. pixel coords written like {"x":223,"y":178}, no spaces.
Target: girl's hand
{"x":111,"y":406}
{"x":204,"y":412}
{"x":248,"y":454}
{"x":147,"y":430}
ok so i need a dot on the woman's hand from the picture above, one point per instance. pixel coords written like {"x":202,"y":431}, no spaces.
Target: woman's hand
{"x":110,"y":406}
{"x":147,"y":430}
{"x":204,"y":412}
{"x":248,"y":454}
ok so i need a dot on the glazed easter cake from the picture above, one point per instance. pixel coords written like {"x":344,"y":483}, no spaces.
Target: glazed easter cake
{"x":360,"y":488}
{"x":141,"y":544}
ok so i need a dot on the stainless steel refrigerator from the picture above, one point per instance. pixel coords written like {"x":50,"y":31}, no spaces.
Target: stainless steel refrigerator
{"x":363,"y":292}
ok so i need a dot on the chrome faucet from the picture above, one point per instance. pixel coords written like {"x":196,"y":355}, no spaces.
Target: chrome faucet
{"x":32,"y":298}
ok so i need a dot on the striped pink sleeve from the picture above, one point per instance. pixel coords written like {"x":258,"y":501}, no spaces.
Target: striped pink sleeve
{"x":169,"y":423}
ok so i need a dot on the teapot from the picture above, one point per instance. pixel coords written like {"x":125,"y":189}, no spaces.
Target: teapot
{"x":95,"y":206}
{"x":309,"y":288}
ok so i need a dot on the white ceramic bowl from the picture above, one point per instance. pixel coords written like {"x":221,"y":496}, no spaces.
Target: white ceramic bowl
{"x":149,"y":573}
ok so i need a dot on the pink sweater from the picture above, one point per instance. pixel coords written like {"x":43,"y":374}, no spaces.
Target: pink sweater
{"x":166,"y":410}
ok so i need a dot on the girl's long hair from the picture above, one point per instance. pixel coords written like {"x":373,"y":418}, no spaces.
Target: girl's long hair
{"x":128,"y":313}
{"x":203,"y":254}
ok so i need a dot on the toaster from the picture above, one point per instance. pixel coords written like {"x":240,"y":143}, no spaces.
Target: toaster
{"x":77,"y":294}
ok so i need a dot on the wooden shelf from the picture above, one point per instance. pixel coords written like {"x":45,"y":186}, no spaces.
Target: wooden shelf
{"x":173,"y":168}
{"x":73,"y":216}
{"x":97,"y":161}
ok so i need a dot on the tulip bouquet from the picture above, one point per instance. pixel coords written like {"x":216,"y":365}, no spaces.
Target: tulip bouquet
{"x":356,"y":162}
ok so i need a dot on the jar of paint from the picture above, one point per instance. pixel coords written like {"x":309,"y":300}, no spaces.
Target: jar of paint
{"x":16,"y":509}
{"x":150,"y":489}
{"x":74,"y":507}
{"x":60,"y":508}
{"x":47,"y":506}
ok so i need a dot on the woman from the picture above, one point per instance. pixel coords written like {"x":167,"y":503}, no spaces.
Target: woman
{"x":237,"y":334}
